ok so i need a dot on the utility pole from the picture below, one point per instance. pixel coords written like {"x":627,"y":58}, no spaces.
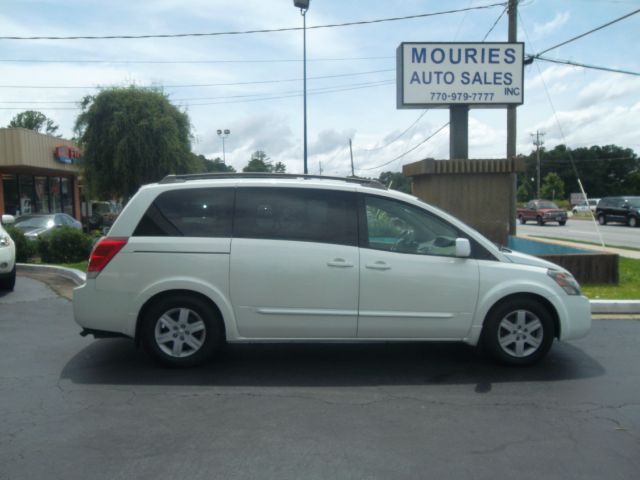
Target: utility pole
{"x":320,"y":168}
{"x":511,"y":109}
{"x":351,"y":152}
{"x":537,"y":142}
{"x":511,"y":117}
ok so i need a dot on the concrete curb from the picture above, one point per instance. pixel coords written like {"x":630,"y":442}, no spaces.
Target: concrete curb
{"x":625,"y":307}
{"x":76,"y":276}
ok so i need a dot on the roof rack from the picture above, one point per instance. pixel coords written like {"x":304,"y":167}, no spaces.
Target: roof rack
{"x":217,"y":175}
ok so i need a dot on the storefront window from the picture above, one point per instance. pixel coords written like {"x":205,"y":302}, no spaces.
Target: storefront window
{"x":42,"y":195}
{"x":10,"y":188}
{"x":54,"y":192}
{"x":67,"y":200}
{"x":27,"y":201}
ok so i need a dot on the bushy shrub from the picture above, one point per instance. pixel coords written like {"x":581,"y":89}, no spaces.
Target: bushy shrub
{"x":25,"y":248}
{"x":64,"y":245}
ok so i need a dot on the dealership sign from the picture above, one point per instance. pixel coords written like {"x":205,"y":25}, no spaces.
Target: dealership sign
{"x":438,"y":75}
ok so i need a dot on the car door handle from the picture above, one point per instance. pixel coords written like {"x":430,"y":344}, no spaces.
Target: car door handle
{"x":340,"y":263}
{"x":379,"y":265}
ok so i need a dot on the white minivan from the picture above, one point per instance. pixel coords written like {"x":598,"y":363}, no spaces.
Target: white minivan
{"x":197,"y":260}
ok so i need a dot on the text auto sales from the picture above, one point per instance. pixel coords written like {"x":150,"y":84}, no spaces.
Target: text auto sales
{"x":464,"y":56}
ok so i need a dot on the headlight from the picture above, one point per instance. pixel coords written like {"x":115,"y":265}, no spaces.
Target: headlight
{"x":5,"y":240}
{"x":566,"y":282}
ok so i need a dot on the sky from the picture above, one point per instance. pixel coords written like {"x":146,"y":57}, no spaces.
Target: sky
{"x":251,"y":84}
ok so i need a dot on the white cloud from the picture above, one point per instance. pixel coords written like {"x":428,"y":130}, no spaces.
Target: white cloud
{"x":544,"y":29}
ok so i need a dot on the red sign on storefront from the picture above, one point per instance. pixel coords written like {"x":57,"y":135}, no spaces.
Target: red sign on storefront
{"x":67,"y":154}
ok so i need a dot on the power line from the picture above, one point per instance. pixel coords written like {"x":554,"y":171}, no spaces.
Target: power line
{"x":564,"y":138}
{"x":228,"y":84}
{"x":495,"y":23}
{"x":266,"y":97}
{"x":171,"y":62}
{"x":585,"y":65}
{"x":245,"y":32}
{"x":187,"y":99}
{"x":399,"y":136}
{"x":408,"y":151}
{"x":573,"y":39}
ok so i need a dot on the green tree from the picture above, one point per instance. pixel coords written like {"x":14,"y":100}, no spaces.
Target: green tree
{"x":603,"y":170}
{"x":260,"y":163}
{"x":203,"y":164}
{"x":132,"y":136}
{"x":34,"y":120}
{"x":395,"y":181}
{"x":525,"y":192}
{"x":552,"y":187}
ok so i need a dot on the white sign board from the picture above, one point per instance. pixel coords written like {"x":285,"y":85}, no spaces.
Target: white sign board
{"x":437,"y":75}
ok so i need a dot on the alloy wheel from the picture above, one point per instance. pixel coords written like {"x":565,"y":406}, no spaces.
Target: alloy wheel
{"x":180,"y":332}
{"x":520,"y":333}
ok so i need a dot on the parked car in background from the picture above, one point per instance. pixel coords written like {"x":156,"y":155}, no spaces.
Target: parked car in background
{"x":196,"y":261}
{"x":7,"y":256}
{"x":619,"y":209}
{"x":102,"y":215}
{"x":542,"y":211}
{"x":589,"y":205}
{"x":36,"y":225}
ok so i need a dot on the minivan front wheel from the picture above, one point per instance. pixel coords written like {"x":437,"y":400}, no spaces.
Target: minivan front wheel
{"x":181,"y":331}
{"x":518,"y":332}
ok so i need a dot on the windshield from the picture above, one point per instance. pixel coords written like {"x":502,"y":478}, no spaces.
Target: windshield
{"x":634,"y":202}
{"x":546,"y":204}
{"x":34,"y":222}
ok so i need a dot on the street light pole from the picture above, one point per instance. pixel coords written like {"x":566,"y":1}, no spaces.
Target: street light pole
{"x":224,"y":134}
{"x":303,"y":5}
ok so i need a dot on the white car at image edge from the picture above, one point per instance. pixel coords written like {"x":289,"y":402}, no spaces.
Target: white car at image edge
{"x":198,"y":260}
{"x":7,"y":256}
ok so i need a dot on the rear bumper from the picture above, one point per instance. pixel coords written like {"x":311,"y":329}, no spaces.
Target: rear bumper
{"x":104,"y":312}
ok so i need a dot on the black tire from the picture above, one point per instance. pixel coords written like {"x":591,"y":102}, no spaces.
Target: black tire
{"x":522,"y":220}
{"x":602,"y":219}
{"x":633,"y":222}
{"x":540,"y":221}
{"x":176,"y":317}
{"x":562,"y":223}
{"x":10,"y":282}
{"x":532,"y":339}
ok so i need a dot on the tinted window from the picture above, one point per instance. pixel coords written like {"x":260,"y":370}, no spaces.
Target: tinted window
{"x":194,"y":212}
{"x":302,"y":214}
{"x":399,"y":227}
{"x":403,"y":228}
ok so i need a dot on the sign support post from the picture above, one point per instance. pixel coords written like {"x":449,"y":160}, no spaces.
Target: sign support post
{"x":458,"y":132}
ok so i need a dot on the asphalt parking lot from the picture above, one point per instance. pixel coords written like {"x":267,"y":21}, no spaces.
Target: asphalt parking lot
{"x":73,"y":407}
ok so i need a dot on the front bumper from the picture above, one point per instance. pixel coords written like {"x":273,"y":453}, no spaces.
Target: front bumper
{"x":575,"y":319}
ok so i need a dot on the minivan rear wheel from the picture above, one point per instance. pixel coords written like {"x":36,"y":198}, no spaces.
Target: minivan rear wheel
{"x":181,"y":331}
{"x":518,"y":332}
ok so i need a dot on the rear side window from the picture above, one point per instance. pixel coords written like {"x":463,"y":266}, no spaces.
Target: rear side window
{"x":302,"y":214}
{"x":194,"y":212}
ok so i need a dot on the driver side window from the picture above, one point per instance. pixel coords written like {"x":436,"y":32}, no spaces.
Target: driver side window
{"x":400,"y":227}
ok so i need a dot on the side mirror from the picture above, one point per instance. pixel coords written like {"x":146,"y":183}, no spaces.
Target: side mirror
{"x":463,"y":248}
{"x":8,"y":219}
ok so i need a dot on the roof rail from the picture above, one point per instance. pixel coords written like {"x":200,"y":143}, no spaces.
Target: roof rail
{"x":217,"y":175}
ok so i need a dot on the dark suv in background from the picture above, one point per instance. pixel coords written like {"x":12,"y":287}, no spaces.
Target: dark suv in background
{"x":619,"y":209}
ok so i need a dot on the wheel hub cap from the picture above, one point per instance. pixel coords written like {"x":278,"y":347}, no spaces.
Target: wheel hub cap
{"x":180,"y":332}
{"x":520,"y":333}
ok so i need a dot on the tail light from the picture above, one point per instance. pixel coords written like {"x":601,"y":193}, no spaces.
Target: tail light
{"x":103,"y":252}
